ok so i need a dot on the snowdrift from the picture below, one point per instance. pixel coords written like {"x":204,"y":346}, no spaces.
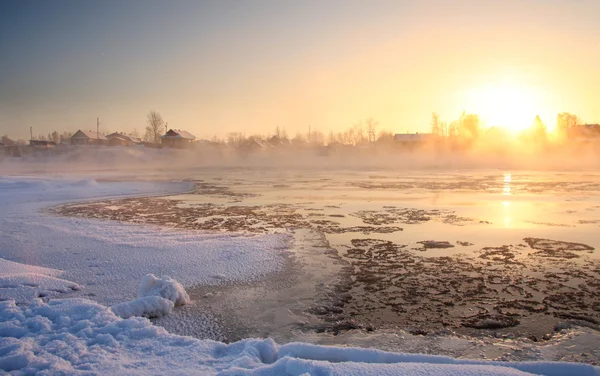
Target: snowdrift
{"x":78,"y":336}
{"x":156,"y":297}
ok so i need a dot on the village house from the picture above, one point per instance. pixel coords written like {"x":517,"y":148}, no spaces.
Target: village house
{"x":88,"y":138}
{"x":585,"y":132}
{"x":42,"y":144}
{"x":176,"y":138}
{"x":276,"y":142}
{"x":413,"y":138}
{"x":252,"y":145}
{"x":122,"y":139}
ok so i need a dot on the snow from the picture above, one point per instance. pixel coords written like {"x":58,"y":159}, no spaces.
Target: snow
{"x":79,"y":336}
{"x":24,"y":287}
{"x":21,"y":283}
{"x":10,"y":267}
{"x":110,"y":258}
{"x":156,"y":298}
{"x":166,"y":288}
{"x":147,"y":306}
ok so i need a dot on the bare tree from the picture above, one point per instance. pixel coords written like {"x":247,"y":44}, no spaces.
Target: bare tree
{"x":6,"y":140}
{"x":299,"y":140}
{"x":216,"y":140}
{"x":371,"y":129}
{"x":453,"y":129}
{"x":280,"y":133}
{"x":436,"y":128}
{"x":385,"y":137}
{"x":154,"y":129}
{"x":235,"y":138}
{"x":316,"y":138}
{"x":66,"y":136}
{"x":359,"y":134}
{"x":538,"y":129}
{"x":54,"y":136}
{"x":565,"y":122}
{"x":331,"y":138}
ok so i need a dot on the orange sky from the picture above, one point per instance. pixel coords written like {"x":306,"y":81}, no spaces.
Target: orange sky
{"x":217,"y":67}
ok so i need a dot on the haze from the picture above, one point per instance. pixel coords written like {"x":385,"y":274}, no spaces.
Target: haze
{"x":225,"y":66}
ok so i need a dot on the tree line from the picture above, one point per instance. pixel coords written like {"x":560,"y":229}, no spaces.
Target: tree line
{"x":468,"y":127}
{"x":465,"y":130}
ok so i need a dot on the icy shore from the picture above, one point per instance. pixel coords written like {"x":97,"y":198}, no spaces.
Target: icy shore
{"x":78,"y":336}
{"x":45,"y":334}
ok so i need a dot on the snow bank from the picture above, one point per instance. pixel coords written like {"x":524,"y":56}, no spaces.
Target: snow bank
{"x":77,"y":336}
{"x":109,"y":257}
{"x":21,"y":283}
{"x":156,"y":298}
{"x":166,"y":288}
{"x":10,"y":267}
{"x":147,"y":306}
{"x":24,"y":287}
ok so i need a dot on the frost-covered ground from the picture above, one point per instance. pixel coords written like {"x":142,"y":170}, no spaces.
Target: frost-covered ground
{"x":109,"y":258}
{"x":77,"y":336}
{"x":46,"y":259}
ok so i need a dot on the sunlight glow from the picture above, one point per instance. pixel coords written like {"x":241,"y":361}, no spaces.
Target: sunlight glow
{"x":509,"y":104}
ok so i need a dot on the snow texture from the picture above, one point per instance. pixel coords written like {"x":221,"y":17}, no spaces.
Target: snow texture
{"x":110,"y":258}
{"x":147,"y":306}
{"x":157,"y":297}
{"x":24,"y":287}
{"x":78,"y":336}
{"x":166,"y":288}
{"x":21,"y":283}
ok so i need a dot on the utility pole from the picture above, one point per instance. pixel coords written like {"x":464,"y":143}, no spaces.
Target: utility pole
{"x":98,"y":128}
{"x":31,"y":133}
{"x":166,"y":123}
{"x":309,"y":133}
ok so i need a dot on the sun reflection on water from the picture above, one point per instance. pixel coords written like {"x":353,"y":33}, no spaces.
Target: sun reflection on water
{"x":507,"y":181}
{"x":506,"y":204}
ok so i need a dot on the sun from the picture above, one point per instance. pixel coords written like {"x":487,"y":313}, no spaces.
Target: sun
{"x":511,"y":106}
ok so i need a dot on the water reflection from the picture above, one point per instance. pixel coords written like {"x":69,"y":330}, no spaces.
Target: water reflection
{"x":507,"y":181}
{"x":507,"y":214}
{"x":506,"y":204}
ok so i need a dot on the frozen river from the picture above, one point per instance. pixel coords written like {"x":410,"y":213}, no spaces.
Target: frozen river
{"x":506,"y":254}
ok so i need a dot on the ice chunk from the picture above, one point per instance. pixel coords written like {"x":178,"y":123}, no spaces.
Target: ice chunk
{"x":147,"y":306}
{"x":165,"y":287}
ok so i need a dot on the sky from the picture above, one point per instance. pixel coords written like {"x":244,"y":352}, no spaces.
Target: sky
{"x":213,"y":67}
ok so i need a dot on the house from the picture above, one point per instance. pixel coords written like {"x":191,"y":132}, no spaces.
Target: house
{"x":585,"y":132}
{"x":88,"y":138}
{"x":122,"y":139}
{"x":276,"y":141}
{"x":176,"y":138}
{"x":252,"y":145}
{"x":42,"y":144}
{"x":413,"y":138}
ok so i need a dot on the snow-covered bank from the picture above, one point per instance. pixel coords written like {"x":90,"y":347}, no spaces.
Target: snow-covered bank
{"x":77,"y":336}
{"x":110,"y":258}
